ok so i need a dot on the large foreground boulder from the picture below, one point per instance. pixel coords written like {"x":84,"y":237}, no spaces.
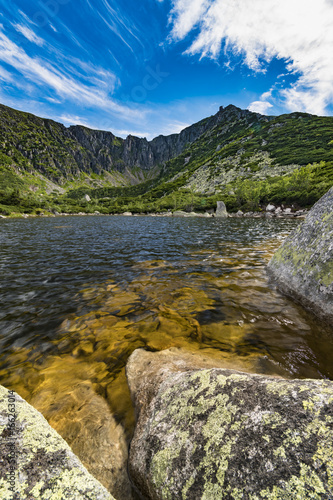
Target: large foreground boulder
{"x":216,"y":433}
{"x":35,"y":462}
{"x":303,"y":266}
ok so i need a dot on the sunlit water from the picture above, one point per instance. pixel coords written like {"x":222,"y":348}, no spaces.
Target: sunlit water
{"x":79,"y":294}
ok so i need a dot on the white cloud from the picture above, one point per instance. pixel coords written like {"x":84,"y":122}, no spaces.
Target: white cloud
{"x":126,"y":132}
{"x":29,"y":34}
{"x":43,"y":73}
{"x":297,"y":31}
{"x":5,"y":76}
{"x":74,"y":120}
{"x":174,"y":127}
{"x":103,"y":124}
{"x":260,"y":107}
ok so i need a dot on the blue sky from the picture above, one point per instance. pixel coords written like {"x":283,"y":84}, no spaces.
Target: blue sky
{"x":155,"y":66}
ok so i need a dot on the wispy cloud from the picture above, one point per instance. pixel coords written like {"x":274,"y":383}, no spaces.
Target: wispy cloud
{"x":174,"y":127}
{"x":74,"y":120}
{"x":29,"y":34}
{"x":297,"y":31}
{"x":41,"y":72}
{"x":102,"y":125}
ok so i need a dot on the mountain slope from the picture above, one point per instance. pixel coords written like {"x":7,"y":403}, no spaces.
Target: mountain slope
{"x":61,"y":154}
{"x":246,"y":158}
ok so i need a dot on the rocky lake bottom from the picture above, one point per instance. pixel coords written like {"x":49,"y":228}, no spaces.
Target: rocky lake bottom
{"x":80,"y":294}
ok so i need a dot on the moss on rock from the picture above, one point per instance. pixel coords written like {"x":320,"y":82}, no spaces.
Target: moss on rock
{"x":218,"y":433}
{"x":303,"y":265}
{"x":35,"y":462}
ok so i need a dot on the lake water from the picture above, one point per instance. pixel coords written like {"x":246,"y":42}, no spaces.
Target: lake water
{"x":79,"y":294}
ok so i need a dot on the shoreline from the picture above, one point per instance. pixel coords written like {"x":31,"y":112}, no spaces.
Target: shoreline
{"x":298,"y":214}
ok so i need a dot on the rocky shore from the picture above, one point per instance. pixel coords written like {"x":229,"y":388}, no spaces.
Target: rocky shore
{"x":276,"y":212}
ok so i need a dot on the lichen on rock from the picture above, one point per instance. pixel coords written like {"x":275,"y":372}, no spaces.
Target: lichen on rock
{"x":35,"y":462}
{"x":303,"y":266}
{"x":218,"y":433}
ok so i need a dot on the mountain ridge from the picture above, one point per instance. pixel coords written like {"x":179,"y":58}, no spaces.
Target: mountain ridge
{"x":58,"y":154}
{"x":244,"y":157}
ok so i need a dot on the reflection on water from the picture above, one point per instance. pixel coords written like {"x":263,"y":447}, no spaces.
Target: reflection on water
{"x":79,"y":297}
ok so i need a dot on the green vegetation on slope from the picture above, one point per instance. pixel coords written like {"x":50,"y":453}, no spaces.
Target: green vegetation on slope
{"x":246,"y":159}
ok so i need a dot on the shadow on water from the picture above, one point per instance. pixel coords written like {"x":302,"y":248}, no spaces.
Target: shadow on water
{"x":79,"y":297}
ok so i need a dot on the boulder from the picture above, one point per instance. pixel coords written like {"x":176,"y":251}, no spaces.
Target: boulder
{"x":303,"y":266}
{"x":35,"y":462}
{"x":87,"y":197}
{"x":221,"y":210}
{"x":180,"y":213}
{"x":217,"y":433}
{"x":270,"y":208}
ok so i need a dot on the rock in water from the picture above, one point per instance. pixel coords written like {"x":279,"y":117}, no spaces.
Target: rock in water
{"x":35,"y":462}
{"x":303,"y":265}
{"x":218,"y":433}
{"x":221,"y":210}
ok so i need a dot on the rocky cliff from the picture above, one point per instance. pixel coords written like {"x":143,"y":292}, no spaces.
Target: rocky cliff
{"x":303,"y":265}
{"x":246,"y":159}
{"x":29,"y":142}
{"x":218,"y":433}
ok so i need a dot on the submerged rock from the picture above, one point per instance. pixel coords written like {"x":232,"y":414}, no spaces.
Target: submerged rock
{"x":303,"y":265}
{"x":35,"y":462}
{"x":218,"y":433}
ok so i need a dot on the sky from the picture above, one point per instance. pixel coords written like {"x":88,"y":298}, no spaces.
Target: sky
{"x":156,"y":66}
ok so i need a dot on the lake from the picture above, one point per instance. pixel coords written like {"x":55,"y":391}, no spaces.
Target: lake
{"x":79,"y":294}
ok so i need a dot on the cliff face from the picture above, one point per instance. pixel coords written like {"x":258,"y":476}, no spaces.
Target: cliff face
{"x":208,"y":157}
{"x":60,"y":153}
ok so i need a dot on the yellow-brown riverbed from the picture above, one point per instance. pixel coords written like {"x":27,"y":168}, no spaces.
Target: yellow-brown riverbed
{"x":125,"y":283}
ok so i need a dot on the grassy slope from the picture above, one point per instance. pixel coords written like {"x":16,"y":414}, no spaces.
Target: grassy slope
{"x":243,"y":161}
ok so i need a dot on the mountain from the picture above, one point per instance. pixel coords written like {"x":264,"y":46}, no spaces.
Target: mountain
{"x":243,"y":156}
{"x":62,"y":154}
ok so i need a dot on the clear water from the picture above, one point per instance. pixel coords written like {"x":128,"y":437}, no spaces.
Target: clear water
{"x":79,"y":294}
